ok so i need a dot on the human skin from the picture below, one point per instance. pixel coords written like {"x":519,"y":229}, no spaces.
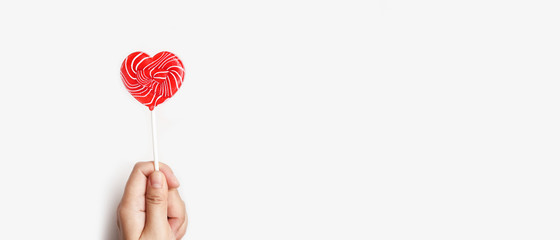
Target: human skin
{"x":151,"y":207}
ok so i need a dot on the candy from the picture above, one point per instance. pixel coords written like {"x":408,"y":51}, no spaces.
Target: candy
{"x":152,"y":80}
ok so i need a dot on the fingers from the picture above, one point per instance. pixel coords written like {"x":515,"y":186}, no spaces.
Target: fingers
{"x":136,"y":186}
{"x":176,"y":213}
{"x":156,"y":206}
{"x":131,"y":212}
{"x":130,"y":221}
{"x":149,"y":198}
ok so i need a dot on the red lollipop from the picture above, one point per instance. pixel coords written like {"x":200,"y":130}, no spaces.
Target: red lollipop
{"x":152,"y":80}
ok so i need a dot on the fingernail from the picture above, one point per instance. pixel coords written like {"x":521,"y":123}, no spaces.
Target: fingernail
{"x":156,"y":179}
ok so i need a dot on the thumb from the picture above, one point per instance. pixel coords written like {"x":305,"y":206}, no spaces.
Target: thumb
{"x":156,"y":204}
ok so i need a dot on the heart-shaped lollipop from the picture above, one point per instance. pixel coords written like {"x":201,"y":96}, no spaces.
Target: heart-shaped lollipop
{"x":152,"y":80}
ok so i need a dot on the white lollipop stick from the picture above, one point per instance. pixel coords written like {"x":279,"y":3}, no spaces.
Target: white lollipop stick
{"x":154,"y":140}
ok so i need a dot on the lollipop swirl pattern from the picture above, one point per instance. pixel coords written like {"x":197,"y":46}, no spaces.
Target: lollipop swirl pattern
{"x":152,"y":80}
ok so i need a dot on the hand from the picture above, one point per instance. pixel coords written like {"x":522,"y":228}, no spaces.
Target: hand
{"x":151,"y":207}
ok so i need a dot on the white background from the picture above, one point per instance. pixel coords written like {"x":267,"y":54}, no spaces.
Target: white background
{"x":298,"y":119}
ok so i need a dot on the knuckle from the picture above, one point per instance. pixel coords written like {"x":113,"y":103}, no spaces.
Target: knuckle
{"x":139,"y":165}
{"x":124,"y":210}
{"x":121,"y":210}
{"x":155,"y":199}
